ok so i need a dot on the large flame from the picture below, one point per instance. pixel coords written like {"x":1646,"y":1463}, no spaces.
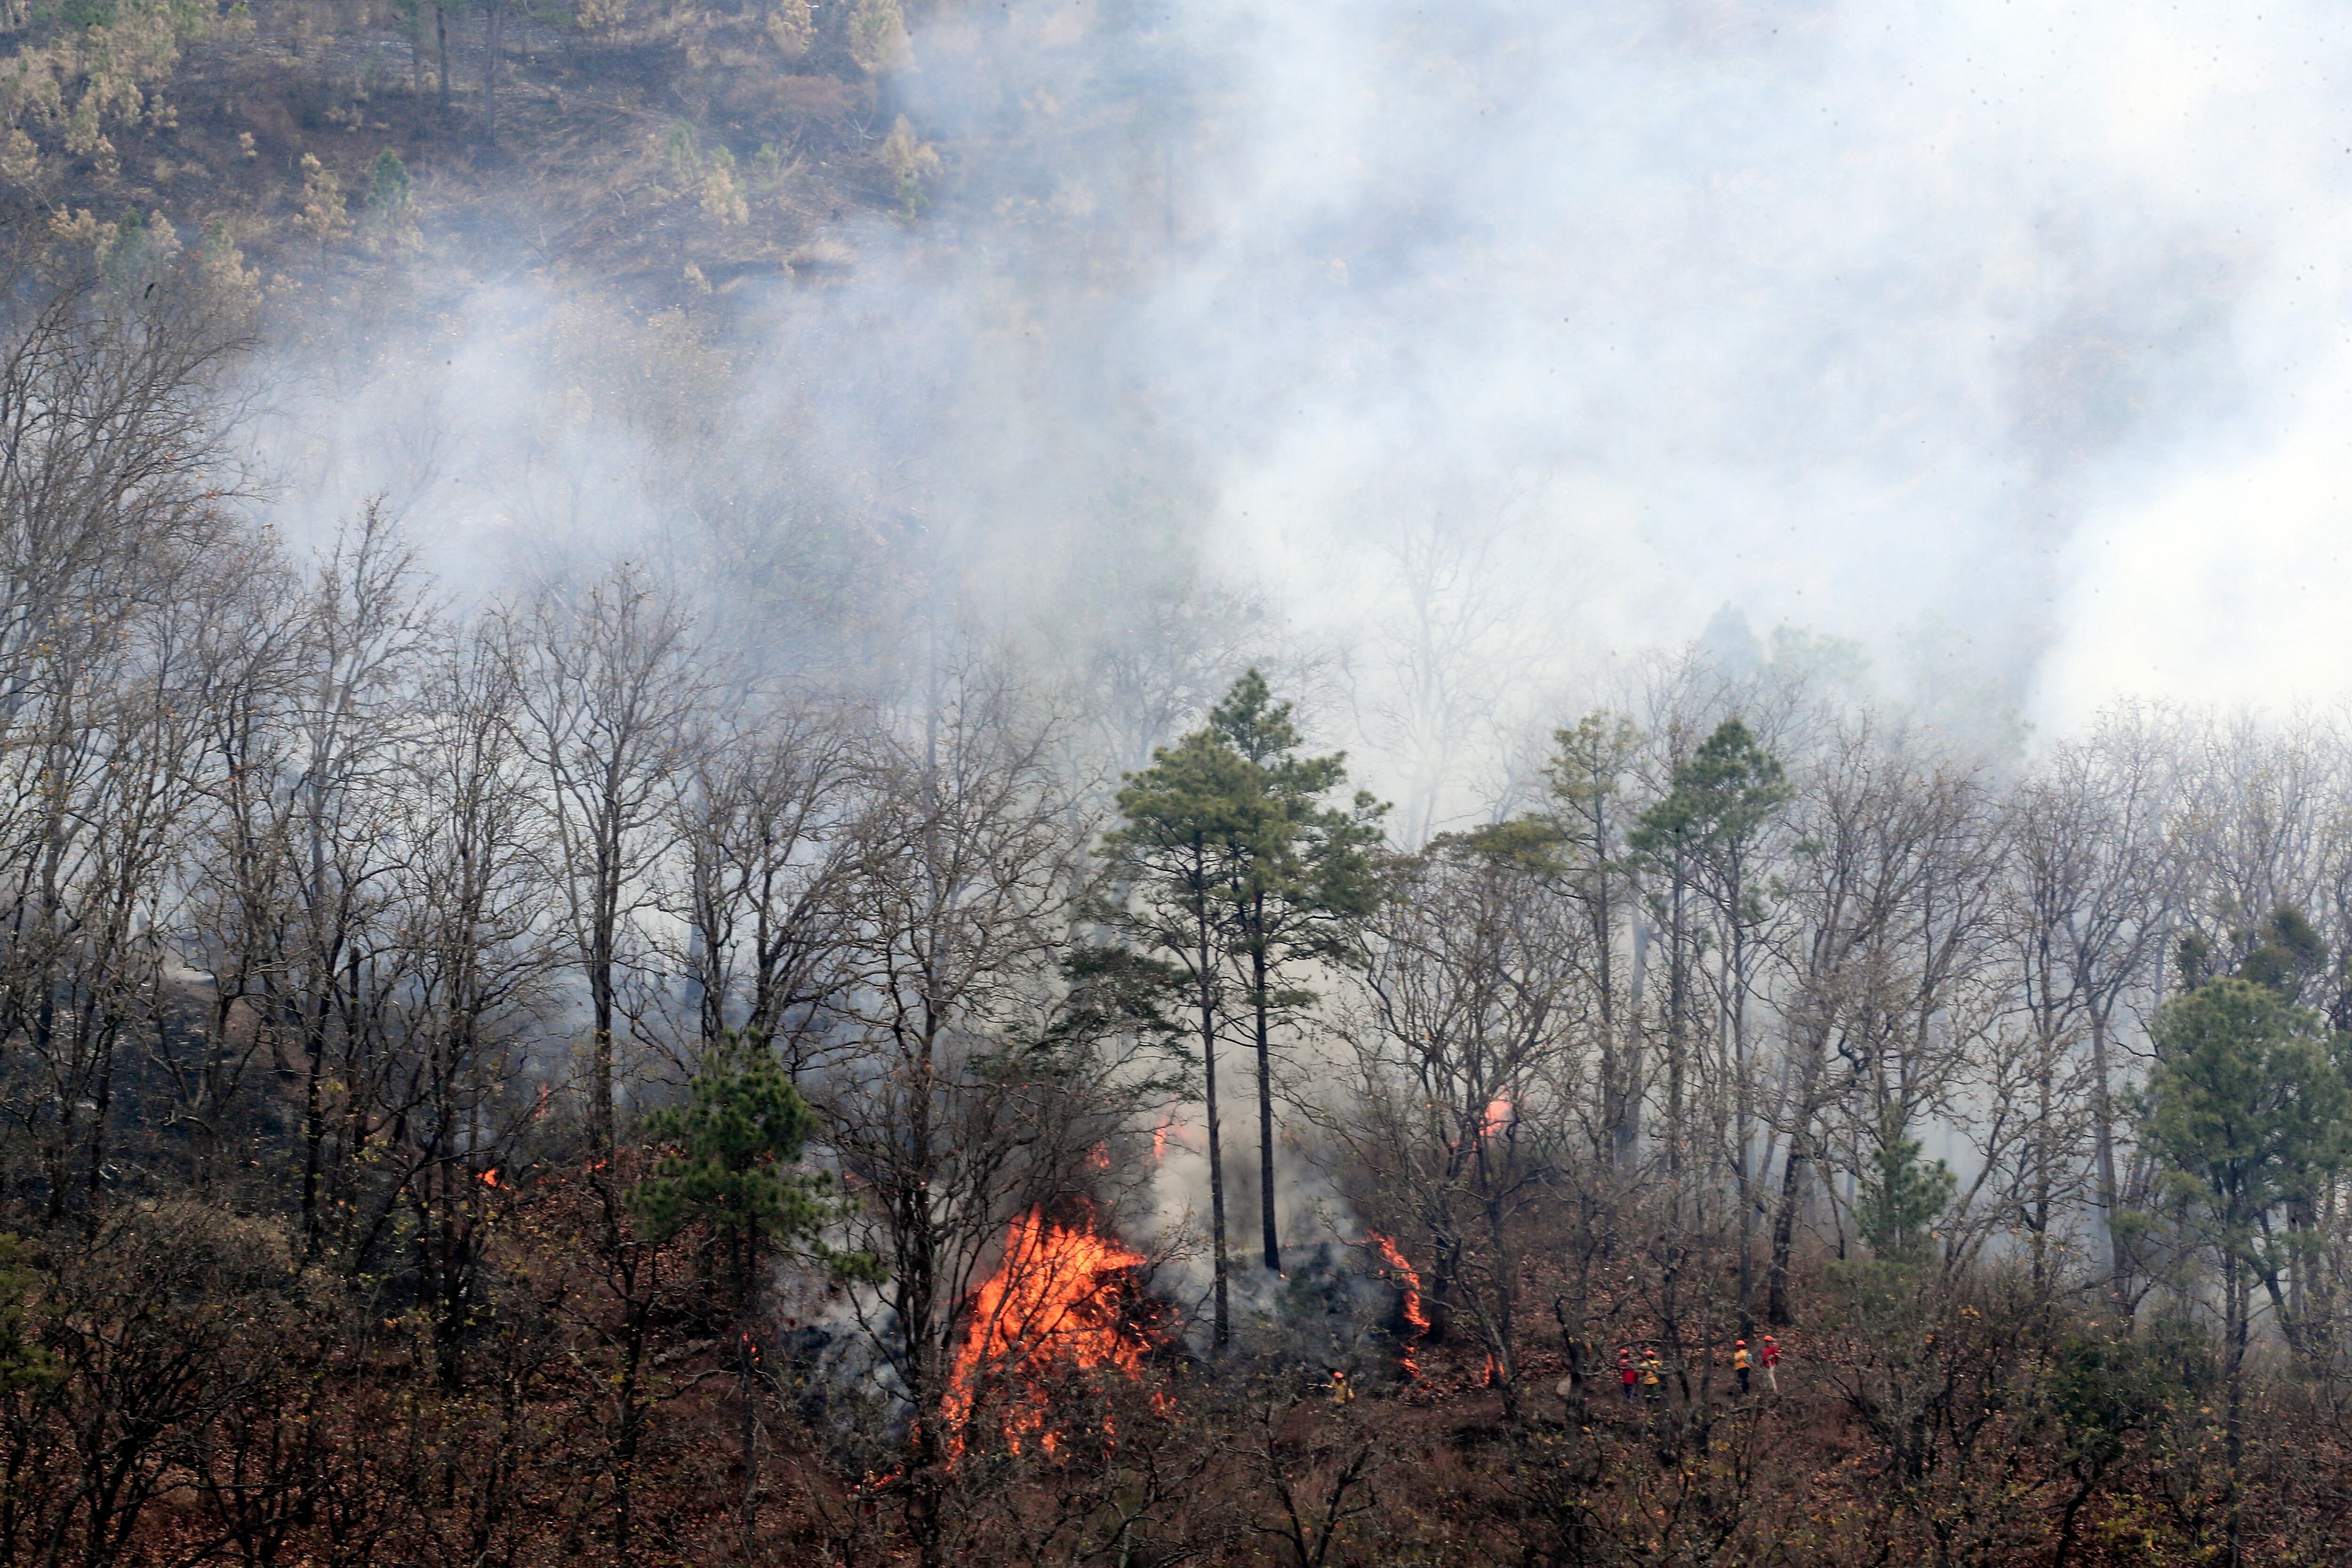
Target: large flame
{"x":1055,"y":1302}
{"x":1409,"y":1278}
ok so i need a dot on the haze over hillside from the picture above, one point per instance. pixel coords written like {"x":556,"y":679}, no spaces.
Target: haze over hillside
{"x":1511,"y":339}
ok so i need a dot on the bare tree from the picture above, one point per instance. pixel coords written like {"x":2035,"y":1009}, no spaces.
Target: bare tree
{"x":1886,"y":889}
{"x":959,"y":1090}
{"x":1589,"y":781}
{"x":112,"y":434}
{"x":765,"y":835}
{"x":104,"y":788}
{"x":1459,"y":1042}
{"x":1152,"y":643}
{"x":605,"y":680}
{"x":366,"y":625}
{"x":2090,"y":886}
{"x":113,"y":448}
{"x":239,"y":903}
{"x":471,"y":889}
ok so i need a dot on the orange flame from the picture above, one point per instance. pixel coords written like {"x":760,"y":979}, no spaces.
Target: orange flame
{"x":1160,"y":1141}
{"x":1410,"y":1278}
{"x":1052,"y":1302}
{"x":1498,"y":1116}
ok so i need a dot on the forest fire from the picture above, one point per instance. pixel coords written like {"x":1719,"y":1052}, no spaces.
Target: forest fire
{"x":1056,"y":1302}
{"x":1409,"y":1279}
{"x":775,"y":866}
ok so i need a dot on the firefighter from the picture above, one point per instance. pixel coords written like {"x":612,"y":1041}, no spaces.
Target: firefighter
{"x":1739,"y":1365}
{"x":1651,"y":1388}
{"x":1625,"y":1372}
{"x":1342,"y":1391}
{"x":1771,"y":1359}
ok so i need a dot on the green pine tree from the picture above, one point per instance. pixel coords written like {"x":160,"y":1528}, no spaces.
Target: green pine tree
{"x":1902,"y":1196}
{"x":388,"y":182}
{"x":1698,"y":836}
{"x":1188,"y":819}
{"x":728,"y":1168}
{"x":1303,"y":870}
{"x":726,"y":1163}
{"x":24,"y":1364}
{"x":387,"y":216}
{"x":2246,"y":1112}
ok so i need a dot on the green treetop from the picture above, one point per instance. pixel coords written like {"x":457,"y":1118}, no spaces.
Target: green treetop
{"x":1188,"y":817}
{"x":1902,"y":1196}
{"x":2245,"y":1113}
{"x":1699,"y":836}
{"x":730,"y":1147}
{"x":2245,"y":1105}
{"x":1302,"y":872}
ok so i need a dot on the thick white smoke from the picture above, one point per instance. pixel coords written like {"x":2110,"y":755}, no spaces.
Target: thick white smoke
{"x":1485,"y":339}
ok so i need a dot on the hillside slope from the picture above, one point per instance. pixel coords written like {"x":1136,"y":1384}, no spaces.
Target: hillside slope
{"x":614,"y":143}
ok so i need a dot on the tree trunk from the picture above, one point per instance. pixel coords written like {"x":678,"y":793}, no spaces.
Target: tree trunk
{"x":1222,"y":1330}
{"x":2104,"y":1133}
{"x":2235,"y":1293}
{"x":1743,"y":1114}
{"x":2044,"y":1096}
{"x":751,"y":1441}
{"x":1678,"y":1036}
{"x":493,"y":39}
{"x":1784,"y":1232}
{"x":101,"y":1104}
{"x":314,"y":1135}
{"x":1629,"y":1109}
{"x":600,"y":943}
{"x":1264,"y":1098}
